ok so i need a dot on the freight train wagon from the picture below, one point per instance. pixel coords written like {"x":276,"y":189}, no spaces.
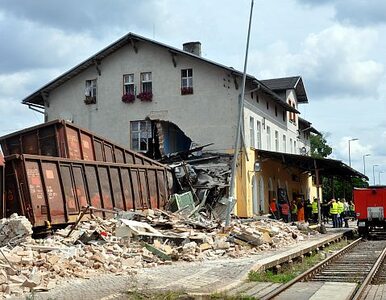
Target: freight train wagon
{"x":2,"y":185}
{"x":370,"y":207}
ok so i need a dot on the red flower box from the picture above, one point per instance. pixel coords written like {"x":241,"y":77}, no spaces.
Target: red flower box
{"x":128,"y":98}
{"x":186,"y":90}
{"x":145,"y":96}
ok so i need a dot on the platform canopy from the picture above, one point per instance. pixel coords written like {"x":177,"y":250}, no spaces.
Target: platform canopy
{"x":325,"y":167}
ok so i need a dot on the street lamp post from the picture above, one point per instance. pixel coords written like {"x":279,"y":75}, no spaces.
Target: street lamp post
{"x":364,"y":163}
{"x":349,"y":153}
{"x":379,"y":177}
{"x":374,"y":172}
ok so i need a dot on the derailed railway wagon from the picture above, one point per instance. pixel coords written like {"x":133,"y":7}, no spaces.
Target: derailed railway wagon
{"x":2,"y":184}
{"x":60,"y":138}
{"x":53,"y":191}
{"x":370,"y":207}
{"x":53,"y":170}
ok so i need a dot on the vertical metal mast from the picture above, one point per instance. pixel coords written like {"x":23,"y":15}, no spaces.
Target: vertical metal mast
{"x":231,"y":195}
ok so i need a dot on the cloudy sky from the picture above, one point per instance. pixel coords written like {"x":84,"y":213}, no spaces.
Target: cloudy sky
{"x":337,"y":46}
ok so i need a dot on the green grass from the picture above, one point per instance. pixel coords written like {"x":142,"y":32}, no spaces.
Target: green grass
{"x":166,"y":295}
{"x":175,"y":295}
{"x":224,"y":296}
{"x":290,"y":272}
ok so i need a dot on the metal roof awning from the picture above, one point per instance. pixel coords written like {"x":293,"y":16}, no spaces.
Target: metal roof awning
{"x":326,"y":167}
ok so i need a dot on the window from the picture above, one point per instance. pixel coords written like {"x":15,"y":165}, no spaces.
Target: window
{"x":128,"y":84}
{"x":284,"y":143}
{"x":258,"y":133}
{"x":295,"y":150}
{"x":292,"y":115}
{"x":146,"y":83}
{"x":90,"y":91}
{"x":284,"y":115}
{"x":252,"y":132}
{"x":276,"y":140}
{"x":186,"y":81}
{"x":291,"y":150}
{"x":141,"y":135}
{"x":275,"y":111}
{"x":268,"y":138}
{"x":267,"y":105}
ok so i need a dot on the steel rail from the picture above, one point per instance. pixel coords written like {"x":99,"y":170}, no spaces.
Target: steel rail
{"x":309,"y":273}
{"x":359,"y":292}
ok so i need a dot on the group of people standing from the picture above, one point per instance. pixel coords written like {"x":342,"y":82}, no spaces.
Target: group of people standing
{"x":289,"y":212}
{"x":340,"y":211}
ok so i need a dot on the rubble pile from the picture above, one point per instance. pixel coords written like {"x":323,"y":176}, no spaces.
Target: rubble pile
{"x":14,"y":230}
{"x":130,"y":241}
{"x":207,"y":178}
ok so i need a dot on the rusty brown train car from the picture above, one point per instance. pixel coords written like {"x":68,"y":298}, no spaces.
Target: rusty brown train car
{"x":2,"y":186}
{"x":51,"y":190}
{"x":60,"y":138}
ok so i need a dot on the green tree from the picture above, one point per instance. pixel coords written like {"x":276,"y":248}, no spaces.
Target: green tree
{"x":337,"y":187}
{"x":319,"y":146}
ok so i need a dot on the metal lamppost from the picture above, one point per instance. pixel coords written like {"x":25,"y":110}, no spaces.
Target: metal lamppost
{"x":374,"y":172}
{"x":349,"y":154}
{"x":379,"y":177}
{"x":364,"y":163}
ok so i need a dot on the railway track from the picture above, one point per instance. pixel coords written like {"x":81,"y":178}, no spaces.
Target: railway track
{"x":351,"y":270}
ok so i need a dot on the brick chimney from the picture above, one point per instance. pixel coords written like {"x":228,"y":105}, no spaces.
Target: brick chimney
{"x":192,"y":47}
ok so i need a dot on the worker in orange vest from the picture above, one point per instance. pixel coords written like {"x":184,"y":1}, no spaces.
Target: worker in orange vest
{"x":273,"y":209}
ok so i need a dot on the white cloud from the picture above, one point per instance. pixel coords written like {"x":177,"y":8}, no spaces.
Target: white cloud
{"x":335,"y":61}
{"x":356,"y":12}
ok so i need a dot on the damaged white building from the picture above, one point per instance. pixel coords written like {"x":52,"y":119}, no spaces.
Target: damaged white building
{"x":159,"y":100}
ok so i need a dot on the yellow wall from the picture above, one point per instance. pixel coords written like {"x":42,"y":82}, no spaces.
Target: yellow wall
{"x":273,"y":171}
{"x":313,"y":190}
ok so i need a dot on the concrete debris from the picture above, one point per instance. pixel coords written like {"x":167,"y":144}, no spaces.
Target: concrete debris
{"x":128,"y":242}
{"x":207,"y":179}
{"x":14,"y":230}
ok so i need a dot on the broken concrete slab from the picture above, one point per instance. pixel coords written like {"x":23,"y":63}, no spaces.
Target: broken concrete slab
{"x":14,"y":230}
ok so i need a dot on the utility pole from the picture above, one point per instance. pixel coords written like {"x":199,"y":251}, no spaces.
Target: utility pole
{"x":231,"y":195}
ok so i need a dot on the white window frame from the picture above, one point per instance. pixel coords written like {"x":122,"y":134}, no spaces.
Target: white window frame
{"x":128,"y":84}
{"x":258,"y":135}
{"x":142,"y":132}
{"x":252,"y":132}
{"x":276,"y":141}
{"x":284,"y":143}
{"x":146,"y":82}
{"x":91,"y":88}
{"x":187,"y":78}
{"x":295,"y":150}
{"x":291,"y":145}
{"x":269,"y":138}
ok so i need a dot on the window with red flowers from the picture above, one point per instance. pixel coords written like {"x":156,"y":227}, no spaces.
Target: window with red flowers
{"x":128,"y":84}
{"x":186,"y":81}
{"x":146,"y":83}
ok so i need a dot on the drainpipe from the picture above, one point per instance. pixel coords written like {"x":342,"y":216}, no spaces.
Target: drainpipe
{"x":231,"y":195}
